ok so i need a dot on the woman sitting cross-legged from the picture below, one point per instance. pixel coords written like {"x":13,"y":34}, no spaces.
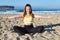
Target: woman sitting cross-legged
{"x":28,"y":17}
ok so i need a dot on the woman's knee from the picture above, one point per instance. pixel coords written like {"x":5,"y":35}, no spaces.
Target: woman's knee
{"x":37,"y":29}
{"x":18,"y":27}
{"x":15,"y":27}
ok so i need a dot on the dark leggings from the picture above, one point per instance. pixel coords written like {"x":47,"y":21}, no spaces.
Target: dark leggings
{"x":28,"y":29}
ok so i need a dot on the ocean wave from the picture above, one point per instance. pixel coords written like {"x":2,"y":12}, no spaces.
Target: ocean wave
{"x":35,"y":12}
{"x":47,"y":12}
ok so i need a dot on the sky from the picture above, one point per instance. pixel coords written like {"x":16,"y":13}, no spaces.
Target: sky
{"x":34,"y":3}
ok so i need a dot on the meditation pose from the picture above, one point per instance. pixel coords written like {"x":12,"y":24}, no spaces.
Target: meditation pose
{"x":27,"y":18}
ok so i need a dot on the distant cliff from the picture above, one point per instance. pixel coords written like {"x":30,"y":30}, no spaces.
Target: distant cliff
{"x":4,"y":8}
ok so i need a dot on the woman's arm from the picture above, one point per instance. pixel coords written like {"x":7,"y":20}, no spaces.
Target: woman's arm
{"x":16,"y":16}
{"x":39,"y":16}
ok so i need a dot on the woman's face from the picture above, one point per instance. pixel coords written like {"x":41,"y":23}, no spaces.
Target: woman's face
{"x":27,"y":9}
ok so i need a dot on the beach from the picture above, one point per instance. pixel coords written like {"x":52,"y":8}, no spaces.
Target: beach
{"x":51,"y":25}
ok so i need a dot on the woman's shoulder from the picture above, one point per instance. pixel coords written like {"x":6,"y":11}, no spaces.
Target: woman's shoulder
{"x":33,"y":15}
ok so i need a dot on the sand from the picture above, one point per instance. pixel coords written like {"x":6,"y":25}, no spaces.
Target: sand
{"x":51,"y":25}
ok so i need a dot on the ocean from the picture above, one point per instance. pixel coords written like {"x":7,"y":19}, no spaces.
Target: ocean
{"x":35,"y":11}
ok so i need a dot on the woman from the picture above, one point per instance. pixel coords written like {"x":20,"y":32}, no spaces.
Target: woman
{"x":27,"y":21}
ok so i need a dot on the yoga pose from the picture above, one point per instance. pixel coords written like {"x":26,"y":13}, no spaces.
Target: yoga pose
{"x":27,"y":18}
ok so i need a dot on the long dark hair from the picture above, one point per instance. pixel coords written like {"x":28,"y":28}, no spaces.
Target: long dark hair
{"x":29,"y":12}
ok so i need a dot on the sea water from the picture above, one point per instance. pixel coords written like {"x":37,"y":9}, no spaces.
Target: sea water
{"x":34,"y":11}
